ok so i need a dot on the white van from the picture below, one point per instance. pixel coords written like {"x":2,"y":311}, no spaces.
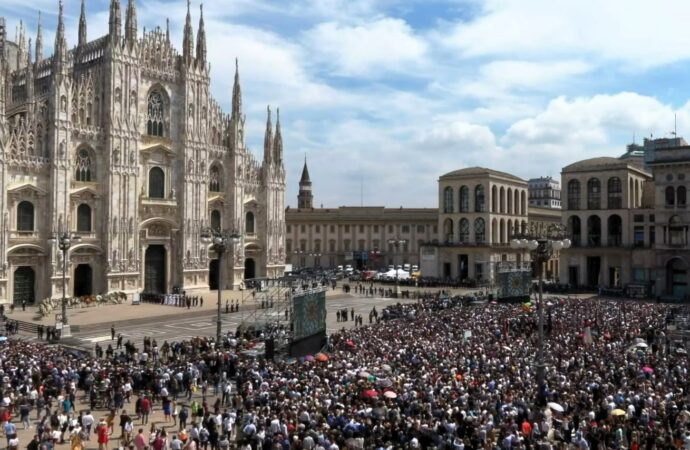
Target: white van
{"x":406,"y":267}
{"x":348,"y":269}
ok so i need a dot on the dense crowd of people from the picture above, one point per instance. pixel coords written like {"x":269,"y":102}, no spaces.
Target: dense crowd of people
{"x":435,"y":374}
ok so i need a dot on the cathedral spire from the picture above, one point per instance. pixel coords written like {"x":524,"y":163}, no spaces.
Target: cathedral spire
{"x":60,"y":55}
{"x":188,"y":39}
{"x":131,"y":23}
{"x":39,"y":40}
{"x":201,"y":40}
{"x":278,"y":141}
{"x":236,"y":94}
{"x":82,"y":25}
{"x":115,"y":21}
{"x":268,"y":138}
{"x":305,"y":198}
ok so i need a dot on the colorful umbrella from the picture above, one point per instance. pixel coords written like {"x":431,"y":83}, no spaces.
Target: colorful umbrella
{"x":617,"y":412}
{"x":309,"y":358}
{"x":321,"y":357}
{"x":350,"y":343}
{"x":370,"y":393}
{"x":390,"y":394}
{"x":647,"y":369}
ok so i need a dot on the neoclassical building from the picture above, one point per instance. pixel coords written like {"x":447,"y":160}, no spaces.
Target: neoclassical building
{"x":354,"y":235}
{"x":118,"y":141}
{"x":629,"y":220}
{"x":479,"y":209}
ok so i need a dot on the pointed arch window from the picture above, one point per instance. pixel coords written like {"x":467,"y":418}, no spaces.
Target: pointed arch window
{"x":25,"y":216}
{"x":84,"y":218}
{"x":156,"y":183}
{"x":214,"y":179}
{"x":155,"y":114}
{"x":215,"y":220}
{"x":84,"y":166}
{"x":249,"y":223}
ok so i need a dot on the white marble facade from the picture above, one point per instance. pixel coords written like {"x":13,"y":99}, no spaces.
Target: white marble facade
{"x":119,"y":141}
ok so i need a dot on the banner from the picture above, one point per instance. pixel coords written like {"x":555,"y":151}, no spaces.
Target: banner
{"x":515,"y":283}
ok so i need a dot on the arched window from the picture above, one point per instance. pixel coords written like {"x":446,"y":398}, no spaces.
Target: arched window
{"x":670,"y":196}
{"x":448,"y":200}
{"x":676,"y":232}
{"x":523,"y":202}
{"x":681,"y":195}
{"x":155,"y":114}
{"x":83,"y":166}
{"x":448,"y":230}
{"x":615,"y":230}
{"x":494,"y":199}
{"x":464,"y":226}
{"x":594,"y":194}
{"x":25,"y":216}
{"x":214,"y":179}
{"x":156,"y":183}
{"x":464,"y":199}
{"x":479,"y":205}
{"x":479,"y":231}
{"x":573,"y":194}
{"x":509,"y":206}
{"x":575,"y":228}
{"x":615,"y":194}
{"x":84,"y":218}
{"x":594,"y":231}
{"x":502,"y":201}
{"x":249,"y":223}
{"x":516,"y":203}
{"x":215,"y":219}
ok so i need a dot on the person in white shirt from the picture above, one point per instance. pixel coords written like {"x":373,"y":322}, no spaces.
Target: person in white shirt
{"x":87,"y":421}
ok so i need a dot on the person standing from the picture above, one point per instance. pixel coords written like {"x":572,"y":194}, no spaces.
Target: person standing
{"x":140,"y":440}
{"x":112,"y":332}
{"x":145,"y":410}
{"x":87,"y":421}
{"x":102,"y":433}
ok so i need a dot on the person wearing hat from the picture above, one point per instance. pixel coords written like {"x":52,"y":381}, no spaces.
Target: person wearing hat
{"x":102,"y":433}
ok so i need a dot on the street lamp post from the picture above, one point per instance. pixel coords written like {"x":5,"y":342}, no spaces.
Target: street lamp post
{"x":542,"y":242}
{"x":219,"y":242}
{"x":64,"y":241}
{"x":397,"y":242}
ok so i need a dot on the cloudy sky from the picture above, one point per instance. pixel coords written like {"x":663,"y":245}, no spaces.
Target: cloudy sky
{"x":390,"y":94}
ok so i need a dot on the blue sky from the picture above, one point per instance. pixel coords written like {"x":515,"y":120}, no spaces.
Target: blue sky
{"x":390,"y":94}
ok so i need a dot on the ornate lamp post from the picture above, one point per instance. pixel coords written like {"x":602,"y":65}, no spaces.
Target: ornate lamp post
{"x":219,"y":242}
{"x":64,"y":241}
{"x":542,"y":241}
{"x":397,"y":242}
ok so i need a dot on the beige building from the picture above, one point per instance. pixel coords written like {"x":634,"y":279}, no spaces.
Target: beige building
{"x":358,"y":236}
{"x":479,"y":209}
{"x":629,"y":222}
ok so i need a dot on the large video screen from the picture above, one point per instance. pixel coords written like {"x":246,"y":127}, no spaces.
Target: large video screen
{"x":515,"y":284}
{"x":309,"y":314}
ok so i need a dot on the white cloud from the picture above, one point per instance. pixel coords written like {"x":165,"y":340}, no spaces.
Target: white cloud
{"x":367,"y":49}
{"x":638,"y":32}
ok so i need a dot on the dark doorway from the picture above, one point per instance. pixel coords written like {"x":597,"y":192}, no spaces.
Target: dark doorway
{"x":463,"y":266}
{"x":614,"y":277}
{"x":83,"y":280}
{"x":677,"y":278}
{"x":154,"y":270}
{"x":24,"y":280}
{"x":573,"y":278}
{"x":446,"y":270}
{"x":213,"y":275}
{"x":593,"y":270}
{"x":249,"y":269}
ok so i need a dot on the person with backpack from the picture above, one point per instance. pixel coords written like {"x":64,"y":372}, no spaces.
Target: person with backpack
{"x":183,"y":416}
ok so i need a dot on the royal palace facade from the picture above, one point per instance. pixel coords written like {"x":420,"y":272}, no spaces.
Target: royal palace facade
{"x":118,"y":142}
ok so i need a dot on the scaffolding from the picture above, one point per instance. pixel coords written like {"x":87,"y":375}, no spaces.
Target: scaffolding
{"x":267,"y":306}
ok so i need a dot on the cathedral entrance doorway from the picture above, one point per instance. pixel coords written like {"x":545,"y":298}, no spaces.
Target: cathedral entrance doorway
{"x":24,"y":285}
{"x":249,"y":269}
{"x":213,"y":275}
{"x":154,"y":270}
{"x":83,"y":280}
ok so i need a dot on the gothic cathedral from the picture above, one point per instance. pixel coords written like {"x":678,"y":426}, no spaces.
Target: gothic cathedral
{"x":118,"y":142}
